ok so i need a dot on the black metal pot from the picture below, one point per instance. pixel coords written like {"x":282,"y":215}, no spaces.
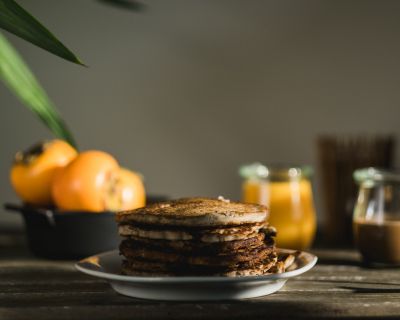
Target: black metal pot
{"x":56,"y":234}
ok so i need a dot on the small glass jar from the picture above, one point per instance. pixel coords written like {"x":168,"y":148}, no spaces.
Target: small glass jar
{"x":376,"y":219}
{"x":287,"y":192}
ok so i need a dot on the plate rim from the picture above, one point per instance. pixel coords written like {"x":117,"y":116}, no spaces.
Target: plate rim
{"x":186,"y":279}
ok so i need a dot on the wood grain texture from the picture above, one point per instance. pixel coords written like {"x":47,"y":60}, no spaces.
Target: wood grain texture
{"x":338,"y":287}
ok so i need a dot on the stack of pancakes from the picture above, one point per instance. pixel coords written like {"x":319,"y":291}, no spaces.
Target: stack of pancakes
{"x":198,"y":236}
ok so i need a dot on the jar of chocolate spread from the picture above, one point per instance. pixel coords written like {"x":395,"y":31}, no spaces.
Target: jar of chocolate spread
{"x":376,"y":219}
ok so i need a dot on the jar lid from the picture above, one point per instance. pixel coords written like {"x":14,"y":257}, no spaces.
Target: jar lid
{"x":371,"y":175}
{"x":275,"y":172}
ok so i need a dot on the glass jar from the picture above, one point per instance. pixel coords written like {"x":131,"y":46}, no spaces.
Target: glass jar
{"x":376,"y":218}
{"x":287,"y":192}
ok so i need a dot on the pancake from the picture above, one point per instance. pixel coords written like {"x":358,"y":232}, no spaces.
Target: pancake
{"x":198,"y":236}
{"x":183,"y":247}
{"x":196,"y":212}
{"x":194,"y":258}
{"x":152,"y":268}
{"x":216,"y":234}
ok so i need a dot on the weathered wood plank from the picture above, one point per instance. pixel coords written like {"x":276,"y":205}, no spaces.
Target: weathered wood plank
{"x":338,"y":287}
{"x":294,"y":285}
{"x":273,"y":307}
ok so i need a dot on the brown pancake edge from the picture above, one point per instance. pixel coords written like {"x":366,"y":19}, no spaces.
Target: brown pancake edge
{"x":182,"y":246}
{"x":196,"y":258}
{"x":149,"y":268}
{"x":196,"y":212}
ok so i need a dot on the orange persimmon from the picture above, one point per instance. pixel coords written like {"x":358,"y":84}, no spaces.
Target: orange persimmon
{"x":33,"y":170}
{"x":126,"y":191}
{"x":95,"y":182}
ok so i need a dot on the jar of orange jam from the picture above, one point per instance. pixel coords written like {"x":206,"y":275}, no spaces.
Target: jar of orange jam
{"x":287,"y":192}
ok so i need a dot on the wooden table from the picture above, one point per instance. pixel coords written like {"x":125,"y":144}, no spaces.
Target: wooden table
{"x":337,"y":287}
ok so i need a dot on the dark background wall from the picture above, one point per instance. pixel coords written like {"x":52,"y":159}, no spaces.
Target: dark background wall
{"x":187,"y":91}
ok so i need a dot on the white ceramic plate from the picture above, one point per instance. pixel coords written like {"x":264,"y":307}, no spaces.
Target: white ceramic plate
{"x":108,"y":266}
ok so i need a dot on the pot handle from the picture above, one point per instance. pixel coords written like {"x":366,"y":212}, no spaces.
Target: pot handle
{"x":13,"y":207}
{"x":48,"y":213}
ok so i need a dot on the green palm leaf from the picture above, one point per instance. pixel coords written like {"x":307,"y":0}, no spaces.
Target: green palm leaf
{"x":18,"y":77}
{"x":16,"y":20}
